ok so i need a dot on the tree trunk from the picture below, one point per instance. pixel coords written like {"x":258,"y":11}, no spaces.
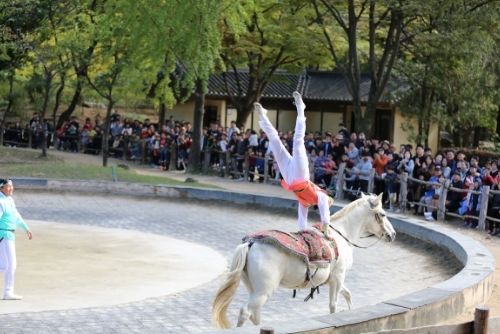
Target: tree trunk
{"x":57,"y":101}
{"x":48,"y":84}
{"x":65,"y":115}
{"x":9,"y":105}
{"x":498,"y":122}
{"x":105,"y":136}
{"x":162,"y":114}
{"x":243,"y":113}
{"x":199,"y":109}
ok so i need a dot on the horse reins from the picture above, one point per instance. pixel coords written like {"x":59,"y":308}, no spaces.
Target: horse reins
{"x":379,"y":220}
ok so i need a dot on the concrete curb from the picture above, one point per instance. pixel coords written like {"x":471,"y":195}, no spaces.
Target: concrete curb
{"x":471,"y":286}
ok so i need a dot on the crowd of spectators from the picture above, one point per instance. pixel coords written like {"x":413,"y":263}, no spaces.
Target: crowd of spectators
{"x":154,"y":144}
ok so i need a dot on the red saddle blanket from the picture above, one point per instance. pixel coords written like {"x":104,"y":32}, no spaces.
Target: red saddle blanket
{"x":309,"y":245}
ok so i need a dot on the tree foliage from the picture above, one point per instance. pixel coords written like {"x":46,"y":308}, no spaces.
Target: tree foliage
{"x":441,"y":55}
{"x":450,"y":69}
{"x":267,"y":37}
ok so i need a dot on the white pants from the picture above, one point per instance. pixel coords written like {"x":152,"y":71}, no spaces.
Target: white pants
{"x":8,"y":264}
{"x":295,"y":167}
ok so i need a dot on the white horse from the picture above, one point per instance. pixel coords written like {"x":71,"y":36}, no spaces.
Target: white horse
{"x":263,"y":267}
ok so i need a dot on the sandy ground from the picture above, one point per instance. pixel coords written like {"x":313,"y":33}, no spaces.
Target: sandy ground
{"x":82,"y":266}
{"x":492,"y":243}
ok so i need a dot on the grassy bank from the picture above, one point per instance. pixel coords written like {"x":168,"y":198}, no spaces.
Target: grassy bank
{"x":28,"y":163}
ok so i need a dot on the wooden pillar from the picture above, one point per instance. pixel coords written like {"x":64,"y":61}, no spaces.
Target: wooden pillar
{"x":480,"y":320}
{"x":266,"y":330}
{"x":485,"y":193}
{"x":403,"y":191}
{"x":371,"y":181}
{"x":441,"y":215}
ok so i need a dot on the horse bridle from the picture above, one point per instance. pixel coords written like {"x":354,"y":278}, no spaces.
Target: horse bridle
{"x":379,"y":220}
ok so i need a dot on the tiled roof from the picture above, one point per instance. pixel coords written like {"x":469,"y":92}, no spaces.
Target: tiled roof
{"x":313,"y":85}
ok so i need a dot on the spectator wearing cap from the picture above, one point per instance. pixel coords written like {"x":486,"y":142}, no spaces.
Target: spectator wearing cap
{"x":338,"y":148}
{"x":10,"y":219}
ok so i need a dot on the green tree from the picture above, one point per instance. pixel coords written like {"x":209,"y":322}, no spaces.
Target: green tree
{"x":268,"y":36}
{"x":450,"y":69}
{"x":18,"y":20}
{"x":372,"y":31}
{"x":76,"y":24}
{"x":179,"y":40}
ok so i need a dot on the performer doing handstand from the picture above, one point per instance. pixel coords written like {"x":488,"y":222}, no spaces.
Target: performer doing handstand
{"x":295,"y":168}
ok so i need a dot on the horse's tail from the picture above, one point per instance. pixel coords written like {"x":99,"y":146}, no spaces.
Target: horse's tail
{"x":226,"y":292}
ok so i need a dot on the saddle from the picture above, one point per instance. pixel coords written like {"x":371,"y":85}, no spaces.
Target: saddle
{"x":310,"y":245}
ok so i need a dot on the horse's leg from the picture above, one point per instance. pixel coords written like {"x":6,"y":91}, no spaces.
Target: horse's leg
{"x":255,"y":305}
{"x":244,"y":313}
{"x":336,"y":282}
{"x":264,"y":275}
{"x":347,"y":295}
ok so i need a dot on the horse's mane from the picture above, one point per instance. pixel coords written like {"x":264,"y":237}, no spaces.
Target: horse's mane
{"x":349,"y":207}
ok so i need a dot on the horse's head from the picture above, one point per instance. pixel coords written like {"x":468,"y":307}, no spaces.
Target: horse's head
{"x":379,"y":226}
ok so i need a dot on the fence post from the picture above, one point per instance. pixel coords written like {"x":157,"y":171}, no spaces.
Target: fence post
{"x":481,"y":320}
{"x":403,"y":191}
{"x":266,"y":168}
{"x":485,"y":193}
{"x":339,"y":187}
{"x":441,"y":214}
{"x":266,"y":330}
{"x":371,"y":181}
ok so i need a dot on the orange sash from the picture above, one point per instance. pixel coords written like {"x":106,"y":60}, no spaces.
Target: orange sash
{"x":305,"y":191}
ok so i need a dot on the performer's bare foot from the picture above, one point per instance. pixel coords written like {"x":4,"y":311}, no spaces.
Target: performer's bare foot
{"x":258,"y":108}
{"x":299,"y":103}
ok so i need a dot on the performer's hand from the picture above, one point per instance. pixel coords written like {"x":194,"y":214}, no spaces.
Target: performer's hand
{"x":30,"y":235}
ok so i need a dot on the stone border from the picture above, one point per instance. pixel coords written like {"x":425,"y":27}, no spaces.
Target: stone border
{"x":473,"y":285}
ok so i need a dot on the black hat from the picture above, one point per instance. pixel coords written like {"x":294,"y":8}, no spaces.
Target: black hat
{"x":3,"y":182}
